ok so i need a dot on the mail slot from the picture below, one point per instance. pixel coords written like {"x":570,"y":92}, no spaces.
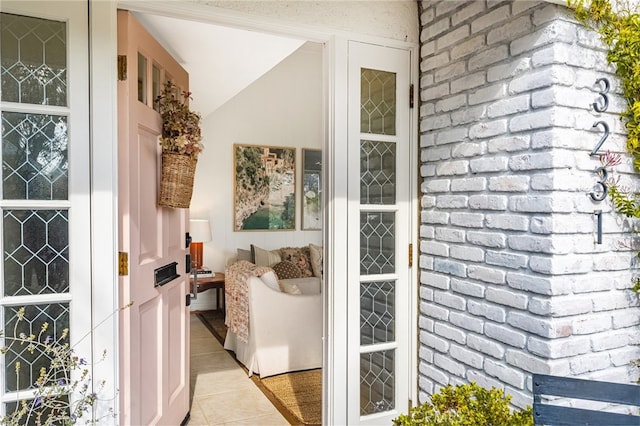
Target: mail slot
{"x":166,"y":274}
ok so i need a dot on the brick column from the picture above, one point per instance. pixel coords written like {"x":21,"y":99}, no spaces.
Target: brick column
{"x":512,"y":280}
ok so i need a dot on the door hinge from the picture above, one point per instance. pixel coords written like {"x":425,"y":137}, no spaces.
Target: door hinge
{"x":411,"y":96}
{"x":123,"y":263}
{"x":122,"y":67}
{"x":410,"y":255}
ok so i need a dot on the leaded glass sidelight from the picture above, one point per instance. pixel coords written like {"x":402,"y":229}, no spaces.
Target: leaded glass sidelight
{"x":34,"y":156}
{"x":34,"y":60}
{"x":377,"y":102}
{"x":377,"y":172}
{"x":377,"y":382}
{"x":377,"y":312}
{"x":31,"y":323}
{"x":377,"y":243}
{"x":38,"y":131}
{"x":36,"y":252}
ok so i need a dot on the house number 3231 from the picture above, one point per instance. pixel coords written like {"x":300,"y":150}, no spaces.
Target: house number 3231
{"x":600,"y":189}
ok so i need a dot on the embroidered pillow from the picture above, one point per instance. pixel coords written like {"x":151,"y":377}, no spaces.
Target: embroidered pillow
{"x":316,"y":259}
{"x":286,"y":270}
{"x":299,"y":256}
{"x":262,"y":257}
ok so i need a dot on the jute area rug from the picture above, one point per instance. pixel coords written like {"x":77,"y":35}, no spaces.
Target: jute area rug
{"x":297,"y":395}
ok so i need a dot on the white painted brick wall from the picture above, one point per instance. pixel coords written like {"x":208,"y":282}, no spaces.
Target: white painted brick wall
{"x":512,"y":281}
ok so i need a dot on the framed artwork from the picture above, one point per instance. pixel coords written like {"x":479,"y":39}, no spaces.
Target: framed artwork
{"x":311,"y":189}
{"x":264,"y":188}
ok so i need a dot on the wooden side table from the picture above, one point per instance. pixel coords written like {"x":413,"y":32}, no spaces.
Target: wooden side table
{"x":217,"y":282}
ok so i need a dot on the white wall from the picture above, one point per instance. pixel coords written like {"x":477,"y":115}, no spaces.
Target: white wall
{"x":283,"y":108}
{"x":397,"y":19}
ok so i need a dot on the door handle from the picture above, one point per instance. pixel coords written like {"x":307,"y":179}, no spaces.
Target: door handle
{"x":194,"y":283}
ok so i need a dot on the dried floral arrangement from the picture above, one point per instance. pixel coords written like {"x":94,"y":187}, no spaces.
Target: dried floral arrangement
{"x":181,"y":133}
{"x":64,"y":392}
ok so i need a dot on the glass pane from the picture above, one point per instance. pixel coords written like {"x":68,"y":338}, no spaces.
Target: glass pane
{"x":142,"y":78}
{"x":311,"y":189}
{"x":377,"y":382}
{"x":34,"y":60}
{"x":377,"y":243}
{"x":36,"y":252}
{"x":377,"y":172}
{"x":54,"y":408}
{"x":377,"y":312}
{"x":377,"y":102}
{"x":57,"y":318}
{"x":34,"y":156}
{"x":155,"y":76}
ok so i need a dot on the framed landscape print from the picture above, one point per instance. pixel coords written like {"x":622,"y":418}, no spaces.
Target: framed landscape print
{"x":264,"y":188}
{"x":311,"y":189}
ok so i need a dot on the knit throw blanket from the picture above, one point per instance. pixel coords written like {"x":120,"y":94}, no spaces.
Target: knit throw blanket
{"x":236,"y":293}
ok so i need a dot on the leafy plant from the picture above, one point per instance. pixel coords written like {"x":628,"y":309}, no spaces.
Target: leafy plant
{"x":181,"y":132}
{"x":619,"y":27}
{"x":468,"y":404}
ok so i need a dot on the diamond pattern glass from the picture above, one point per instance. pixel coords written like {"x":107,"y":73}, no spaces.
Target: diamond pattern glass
{"x":61,"y":403}
{"x":57,"y":317}
{"x":34,"y":156}
{"x":377,"y":382}
{"x":377,"y":172}
{"x":33,"y":54}
{"x":377,"y":102}
{"x":36,"y":252}
{"x":377,"y":243}
{"x":377,"y":312}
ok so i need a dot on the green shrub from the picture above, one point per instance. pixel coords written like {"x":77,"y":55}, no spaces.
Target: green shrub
{"x":467,"y":405}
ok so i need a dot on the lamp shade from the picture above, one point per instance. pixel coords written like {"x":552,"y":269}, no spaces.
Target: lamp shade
{"x":200,"y":230}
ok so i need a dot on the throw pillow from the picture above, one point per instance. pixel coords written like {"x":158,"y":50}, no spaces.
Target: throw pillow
{"x":299,"y":256}
{"x":271,"y":280}
{"x":243,"y":254}
{"x":290,"y":288}
{"x":316,"y":259}
{"x":262,"y":257}
{"x":286,"y":270}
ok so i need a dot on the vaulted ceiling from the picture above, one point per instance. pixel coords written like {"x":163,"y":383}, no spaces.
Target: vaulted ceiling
{"x":221,"y":61}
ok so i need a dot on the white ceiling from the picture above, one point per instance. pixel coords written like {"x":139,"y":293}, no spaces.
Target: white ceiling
{"x":221,"y":61}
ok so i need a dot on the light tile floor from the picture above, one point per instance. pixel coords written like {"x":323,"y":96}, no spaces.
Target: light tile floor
{"x":222,"y":394}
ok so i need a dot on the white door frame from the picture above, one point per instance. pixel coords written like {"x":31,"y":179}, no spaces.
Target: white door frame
{"x":104,"y":175}
{"x":104,"y":194}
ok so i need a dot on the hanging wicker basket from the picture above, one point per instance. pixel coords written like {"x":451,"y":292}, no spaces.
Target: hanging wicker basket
{"x":176,"y":184}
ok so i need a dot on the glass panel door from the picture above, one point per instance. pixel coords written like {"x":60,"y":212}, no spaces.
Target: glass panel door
{"x":377,"y":241}
{"x":40,"y":293}
{"x":379,"y":337}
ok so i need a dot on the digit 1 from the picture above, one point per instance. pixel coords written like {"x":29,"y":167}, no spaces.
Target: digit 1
{"x":598,"y":214}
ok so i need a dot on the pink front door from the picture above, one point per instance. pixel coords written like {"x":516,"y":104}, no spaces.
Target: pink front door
{"x":154,"y":331}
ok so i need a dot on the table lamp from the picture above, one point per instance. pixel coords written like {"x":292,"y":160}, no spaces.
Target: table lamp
{"x":200,"y":232}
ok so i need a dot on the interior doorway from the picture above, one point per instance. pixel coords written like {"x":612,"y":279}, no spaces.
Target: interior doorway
{"x":340,"y":165}
{"x":255,"y":89}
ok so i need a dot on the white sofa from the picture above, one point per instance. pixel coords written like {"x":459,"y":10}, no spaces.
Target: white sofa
{"x":285,"y":330}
